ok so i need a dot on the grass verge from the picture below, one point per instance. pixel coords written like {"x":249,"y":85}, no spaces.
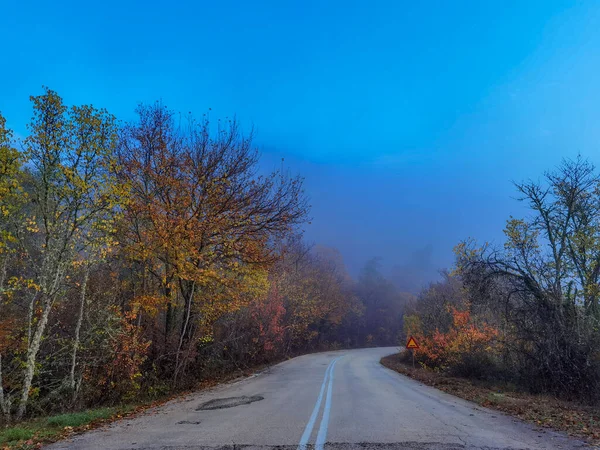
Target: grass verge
{"x":543,"y":411}
{"x":33,"y":433}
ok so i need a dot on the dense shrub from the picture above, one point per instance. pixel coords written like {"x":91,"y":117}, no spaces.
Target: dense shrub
{"x":465,"y":349}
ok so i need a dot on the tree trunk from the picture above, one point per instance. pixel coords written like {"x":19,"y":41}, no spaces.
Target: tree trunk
{"x":72,"y":383}
{"x":169,"y":313}
{"x":188,"y":308}
{"x":32,"y":351}
{"x":3,"y":273}
{"x":4,"y":401}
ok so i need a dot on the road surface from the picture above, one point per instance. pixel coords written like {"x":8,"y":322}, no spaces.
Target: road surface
{"x":331,"y":400}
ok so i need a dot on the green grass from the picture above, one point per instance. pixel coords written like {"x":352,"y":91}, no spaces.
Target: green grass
{"x":15,"y":434}
{"x":48,"y":429}
{"x":80,"y":418}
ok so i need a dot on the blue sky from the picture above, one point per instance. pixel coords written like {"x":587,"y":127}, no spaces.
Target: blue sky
{"x":408,"y":119}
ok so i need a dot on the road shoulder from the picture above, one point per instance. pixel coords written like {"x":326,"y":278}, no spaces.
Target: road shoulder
{"x":542,"y":411}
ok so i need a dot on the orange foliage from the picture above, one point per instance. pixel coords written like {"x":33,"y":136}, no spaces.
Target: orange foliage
{"x":7,"y":334}
{"x":465,"y":338}
{"x":121,"y":376}
{"x":269,"y":314}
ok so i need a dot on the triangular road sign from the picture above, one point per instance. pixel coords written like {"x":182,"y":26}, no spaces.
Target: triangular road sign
{"x":412,"y":343}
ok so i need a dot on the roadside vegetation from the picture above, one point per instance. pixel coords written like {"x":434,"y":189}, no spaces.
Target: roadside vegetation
{"x":32,"y":433}
{"x":526,"y":314}
{"x":140,"y":259}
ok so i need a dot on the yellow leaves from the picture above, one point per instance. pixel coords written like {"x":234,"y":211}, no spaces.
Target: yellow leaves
{"x":12,"y":195}
{"x":31,"y":225}
{"x":592,"y":290}
{"x":520,"y":235}
{"x":466,"y":251}
{"x":23,"y":283}
{"x":150,"y":304}
{"x":206,"y":339}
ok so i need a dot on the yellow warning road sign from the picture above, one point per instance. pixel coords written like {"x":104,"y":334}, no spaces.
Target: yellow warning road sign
{"x":412,"y":343}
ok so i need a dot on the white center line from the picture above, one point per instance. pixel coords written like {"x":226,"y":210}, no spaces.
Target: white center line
{"x":322,"y":436}
{"x":311,"y":422}
{"x":313,"y":417}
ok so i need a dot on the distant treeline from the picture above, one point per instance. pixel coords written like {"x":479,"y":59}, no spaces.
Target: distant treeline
{"x":528,"y":312}
{"x":137,"y":259}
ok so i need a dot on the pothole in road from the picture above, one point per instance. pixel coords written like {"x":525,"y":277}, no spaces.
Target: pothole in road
{"x":188,"y":422}
{"x":229,"y":402}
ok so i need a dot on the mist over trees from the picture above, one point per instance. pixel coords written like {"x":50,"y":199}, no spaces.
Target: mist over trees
{"x":416,"y":272}
{"x":137,"y":259}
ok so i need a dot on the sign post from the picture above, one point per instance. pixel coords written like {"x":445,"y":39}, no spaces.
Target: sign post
{"x":412,"y":345}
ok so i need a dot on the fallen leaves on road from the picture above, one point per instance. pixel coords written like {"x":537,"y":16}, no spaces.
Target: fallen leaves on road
{"x":543,"y":411}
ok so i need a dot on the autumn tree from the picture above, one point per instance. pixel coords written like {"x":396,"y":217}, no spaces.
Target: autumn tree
{"x":12,"y":198}
{"x":69,"y":156}
{"x":11,"y":191}
{"x":316,"y":294}
{"x":143,"y":257}
{"x":200,"y":220}
{"x":546,"y":280}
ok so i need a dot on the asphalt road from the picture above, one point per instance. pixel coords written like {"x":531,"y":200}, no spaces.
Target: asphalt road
{"x":332,"y":400}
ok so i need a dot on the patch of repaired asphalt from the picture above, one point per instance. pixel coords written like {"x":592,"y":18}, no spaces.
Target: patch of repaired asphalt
{"x":229,"y":402}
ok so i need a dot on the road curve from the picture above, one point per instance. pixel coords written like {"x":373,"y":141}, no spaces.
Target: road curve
{"x":331,"y":400}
